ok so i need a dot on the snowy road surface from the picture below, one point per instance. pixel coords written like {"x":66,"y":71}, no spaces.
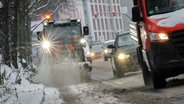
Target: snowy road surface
{"x":104,"y":89}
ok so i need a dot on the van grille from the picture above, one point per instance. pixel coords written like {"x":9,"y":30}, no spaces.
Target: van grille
{"x":177,"y":38}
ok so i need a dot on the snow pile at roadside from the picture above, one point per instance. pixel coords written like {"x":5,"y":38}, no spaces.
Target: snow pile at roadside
{"x":89,"y":94}
{"x":18,"y":90}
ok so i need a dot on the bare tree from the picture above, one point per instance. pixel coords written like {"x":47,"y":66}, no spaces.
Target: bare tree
{"x":13,"y":31}
{"x":15,"y":25}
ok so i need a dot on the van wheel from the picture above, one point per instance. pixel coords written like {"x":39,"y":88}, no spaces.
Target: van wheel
{"x":146,"y":75}
{"x":158,"y":81}
{"x":145,"y":72}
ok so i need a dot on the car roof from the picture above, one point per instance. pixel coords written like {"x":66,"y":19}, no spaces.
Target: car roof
{"x":109,"y":41}
{"x":125,"y":33}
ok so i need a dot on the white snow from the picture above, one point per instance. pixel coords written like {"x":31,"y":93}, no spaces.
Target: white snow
{"x":34,"y":24}
{"x":170,"y":19}
{"x":25,"y":92}
{"x":88,"y":94}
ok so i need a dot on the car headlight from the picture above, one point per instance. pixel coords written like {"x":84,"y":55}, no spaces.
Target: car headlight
{"x":92,"y":54}
{"x":158,"y":36}
{"x":46,"y":44}
{"x":82,"y":41}
{"x":123,"y":56}
{"x":106,"y":51}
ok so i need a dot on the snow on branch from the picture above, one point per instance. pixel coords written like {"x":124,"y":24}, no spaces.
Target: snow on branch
{"x":32,"y":3}
{"x":41,"y":7}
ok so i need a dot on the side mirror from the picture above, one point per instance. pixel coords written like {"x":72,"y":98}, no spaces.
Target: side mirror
{"x":39,"y":36}
{"x":111,"y":46}
{"x":86,"y":30}
{"x":136,"y":17}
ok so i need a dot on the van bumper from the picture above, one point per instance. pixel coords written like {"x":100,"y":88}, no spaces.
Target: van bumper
{"x":165,"y":59}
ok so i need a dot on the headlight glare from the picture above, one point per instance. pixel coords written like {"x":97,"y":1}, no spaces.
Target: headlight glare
{"x":159,"y":36}
{"x":163,"y":36}
{"x":92,"y":54}
{"x":82,"y":41}
{"x":46,"y":44}
{"x":123,"y":56}
{"x":106,"y":51}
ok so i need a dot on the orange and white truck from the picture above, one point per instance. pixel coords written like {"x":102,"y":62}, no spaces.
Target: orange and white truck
{"x":157,"y":29}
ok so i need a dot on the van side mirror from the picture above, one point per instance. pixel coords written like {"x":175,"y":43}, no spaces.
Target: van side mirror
{"x":136,"y":17}
{"x":86,"y":30}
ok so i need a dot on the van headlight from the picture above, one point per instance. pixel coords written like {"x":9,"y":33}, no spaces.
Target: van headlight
{"x":123,"y":56}
{"x":158,"y":36}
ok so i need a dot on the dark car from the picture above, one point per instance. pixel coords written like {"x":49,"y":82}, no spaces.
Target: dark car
{"x":123,"y":55}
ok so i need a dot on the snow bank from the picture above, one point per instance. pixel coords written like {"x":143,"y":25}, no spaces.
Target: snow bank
{"x":18,"y":90}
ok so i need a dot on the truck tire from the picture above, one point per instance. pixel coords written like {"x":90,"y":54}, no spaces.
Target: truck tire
{"x":158,"y":81}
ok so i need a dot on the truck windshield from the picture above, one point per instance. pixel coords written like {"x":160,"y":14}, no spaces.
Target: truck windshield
{"x":163,"y":6}
{"x":66,"y":36}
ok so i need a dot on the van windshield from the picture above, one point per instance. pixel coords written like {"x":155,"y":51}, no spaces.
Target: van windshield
{"x":163,"y":6}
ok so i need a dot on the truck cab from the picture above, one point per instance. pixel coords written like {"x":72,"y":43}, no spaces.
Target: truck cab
{"x":157,"y":29}
{"x":64,"y":39}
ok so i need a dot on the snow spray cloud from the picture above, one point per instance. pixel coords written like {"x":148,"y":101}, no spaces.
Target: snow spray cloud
{"x":57,"y":72}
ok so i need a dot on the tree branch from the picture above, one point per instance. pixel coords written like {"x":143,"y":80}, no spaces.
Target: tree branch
{"x":40,"y":7}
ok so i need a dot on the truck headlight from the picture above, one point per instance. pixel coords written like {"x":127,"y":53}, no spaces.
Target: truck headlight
{"x":123,"y":56}
{"x":158,"y":36}
{"x":46,"y":44}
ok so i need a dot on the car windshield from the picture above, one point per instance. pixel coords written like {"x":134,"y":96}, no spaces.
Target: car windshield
{"x":124,"y":40}
{"x":163,"y":6}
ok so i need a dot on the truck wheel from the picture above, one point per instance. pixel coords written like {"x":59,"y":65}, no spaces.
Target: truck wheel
{"x":158,"y":81}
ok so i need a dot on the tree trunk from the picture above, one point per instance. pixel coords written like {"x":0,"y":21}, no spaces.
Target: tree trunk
{"x":5,"y":33}
{"x":13,"y":31}
{"x":24,"y":37}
